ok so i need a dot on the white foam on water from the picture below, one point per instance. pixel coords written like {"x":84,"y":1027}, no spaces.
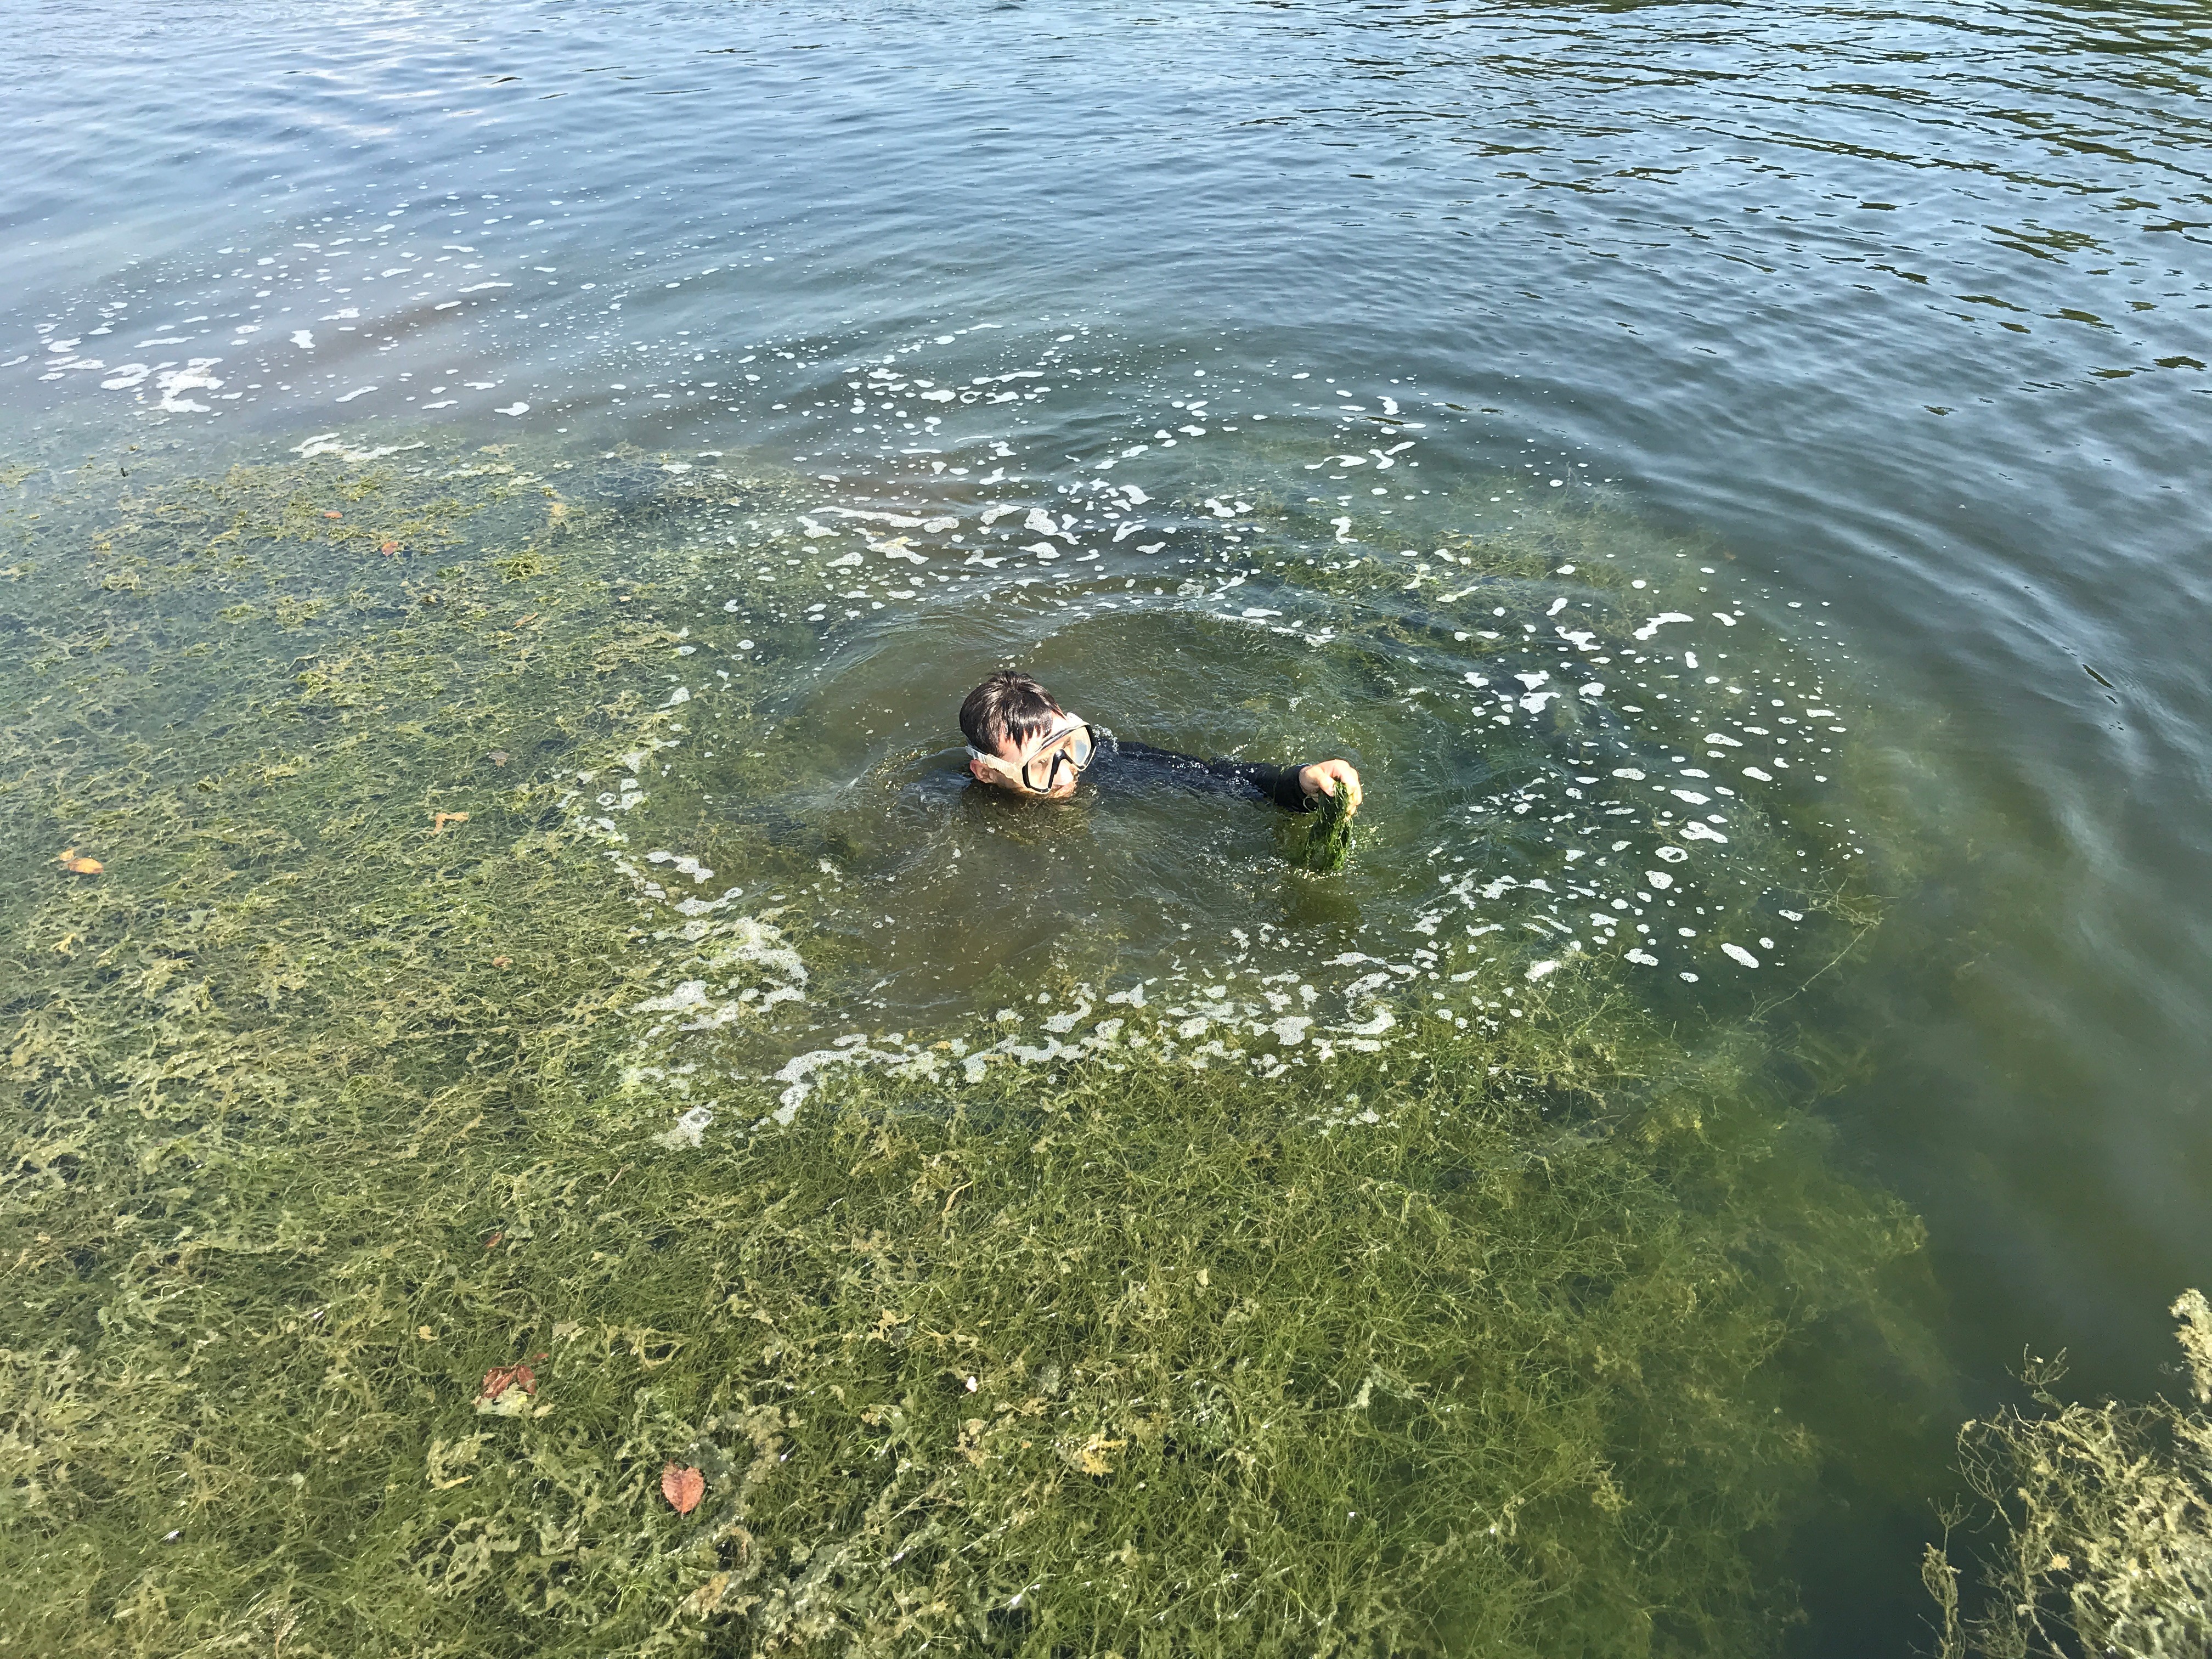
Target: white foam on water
{"x":174,"y":383}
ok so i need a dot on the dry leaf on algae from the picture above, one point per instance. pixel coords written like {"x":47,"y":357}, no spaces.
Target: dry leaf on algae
{"x":508,"y":1391}
{"x":70,"y":861}
{"x":439,"y":820}
{"x":499,"y":1378}
{"x":683,"y":1487}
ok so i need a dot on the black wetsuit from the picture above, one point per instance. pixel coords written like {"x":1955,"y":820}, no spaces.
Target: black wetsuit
{"x":1115,"y":763}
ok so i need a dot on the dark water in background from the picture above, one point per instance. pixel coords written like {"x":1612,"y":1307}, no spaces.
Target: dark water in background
{"x":1907,"y":310}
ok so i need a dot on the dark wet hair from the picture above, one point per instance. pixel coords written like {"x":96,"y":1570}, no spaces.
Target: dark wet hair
{"x":1009,"y":704}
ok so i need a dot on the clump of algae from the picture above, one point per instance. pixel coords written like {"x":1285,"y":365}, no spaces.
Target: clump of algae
{"x":2101,"y":1518}
{"x":314,"y":1120}
{"x":1321,"y":838}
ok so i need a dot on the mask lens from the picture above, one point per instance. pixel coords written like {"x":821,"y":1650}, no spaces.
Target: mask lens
{"x":1038,"y":773}
{"x":1071,"y":749}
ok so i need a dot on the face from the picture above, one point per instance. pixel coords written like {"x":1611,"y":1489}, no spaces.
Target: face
{"x":1053,"y":758}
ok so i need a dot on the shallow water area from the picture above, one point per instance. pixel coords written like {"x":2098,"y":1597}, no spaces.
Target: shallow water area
{"x":428,"y":865}
{"x":516,"y":786}
{"x":500,"y":512}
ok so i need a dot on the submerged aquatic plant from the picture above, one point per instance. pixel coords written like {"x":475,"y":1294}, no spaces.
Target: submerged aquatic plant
{"x":341,"y":1097}
{"x":2100,"y":1517}
{"x":1320,"y":840}
{"x":1114,"y":1361}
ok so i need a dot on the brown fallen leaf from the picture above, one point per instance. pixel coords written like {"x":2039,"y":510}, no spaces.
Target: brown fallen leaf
{"x":439,"y":820}
{"x":501,"y":962}
{"x":70,"y":861}
{"x":497,"y":757}
{"x":389,"y":549}
{"x":499,"y":1378}
{"x":328,"y":514}
{"x":682,"y":1488}
{"x":492,"y":1243}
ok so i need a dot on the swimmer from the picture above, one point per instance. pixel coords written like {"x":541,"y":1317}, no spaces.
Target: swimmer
{"x":1021,"y":740}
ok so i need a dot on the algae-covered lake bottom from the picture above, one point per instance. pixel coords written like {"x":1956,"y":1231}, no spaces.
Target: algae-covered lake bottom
{"x":1424,"y":1257}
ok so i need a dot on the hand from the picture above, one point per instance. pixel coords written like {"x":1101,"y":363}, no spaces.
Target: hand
{"x":1329,"y":777}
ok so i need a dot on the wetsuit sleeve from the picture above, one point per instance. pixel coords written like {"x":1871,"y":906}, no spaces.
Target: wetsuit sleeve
{"x":1278,"y":783}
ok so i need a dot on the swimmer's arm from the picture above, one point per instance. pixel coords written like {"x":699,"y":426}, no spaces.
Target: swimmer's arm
{"x":1293,"y":788}
{"x":1279,"y":784}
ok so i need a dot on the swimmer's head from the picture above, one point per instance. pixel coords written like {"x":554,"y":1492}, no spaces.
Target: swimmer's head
{"x":1020,"y":740}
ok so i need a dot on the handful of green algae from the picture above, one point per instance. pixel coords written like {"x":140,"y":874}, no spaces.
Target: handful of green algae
{"x":1321,"y":841}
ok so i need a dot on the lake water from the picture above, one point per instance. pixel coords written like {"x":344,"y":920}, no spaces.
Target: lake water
{"x":1505,"y":401}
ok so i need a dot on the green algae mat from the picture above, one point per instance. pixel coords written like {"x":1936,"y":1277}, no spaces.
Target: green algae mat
{"x":411,"y":1157}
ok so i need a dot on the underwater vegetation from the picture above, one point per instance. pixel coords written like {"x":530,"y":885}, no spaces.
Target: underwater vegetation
{"x":2098,"y":1521}
{"x":360,"y":1299}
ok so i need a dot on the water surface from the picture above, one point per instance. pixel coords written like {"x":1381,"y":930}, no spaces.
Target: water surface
{"x":1880,"y":332}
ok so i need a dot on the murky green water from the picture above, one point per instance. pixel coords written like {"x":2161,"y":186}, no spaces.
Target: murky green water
{"x":498,"y":525}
